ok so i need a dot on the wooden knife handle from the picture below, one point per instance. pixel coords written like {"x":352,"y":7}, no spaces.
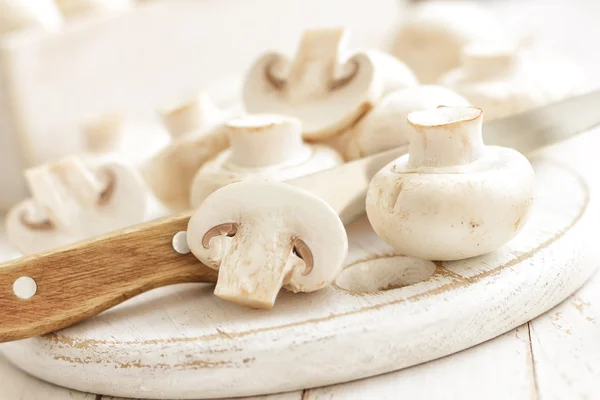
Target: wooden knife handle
{"x":77,"y":282}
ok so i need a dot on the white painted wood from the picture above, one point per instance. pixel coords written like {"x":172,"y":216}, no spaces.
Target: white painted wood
{"x":498,"y":369}
{"x":136,"y":61}
{"x":182,"y":342}
{"x":17,"y":385}
{"x":566,"y":346}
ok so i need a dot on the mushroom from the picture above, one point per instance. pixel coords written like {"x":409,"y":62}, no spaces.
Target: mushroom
{"x":263,"y":147}
{"x":72,"y":201}
{"x":387,"y":127}
{"x":433,"y":34}
{"x":265,"y":235}
{"x":22,"y":14}
{"x":196,"y":138}
{"x":504,"y":81}
{"x":451,"y":197}
{"x":76,"y":8}
{"x":102,"y":133}
{"x":323,"y":87}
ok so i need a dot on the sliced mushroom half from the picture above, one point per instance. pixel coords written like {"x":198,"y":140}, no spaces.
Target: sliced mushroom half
{"x":72,"y":201}
{"x":323,"y":87}
{"x":265,"y":235}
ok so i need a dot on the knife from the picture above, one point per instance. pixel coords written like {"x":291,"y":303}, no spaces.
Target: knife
{"x":73,"y":283}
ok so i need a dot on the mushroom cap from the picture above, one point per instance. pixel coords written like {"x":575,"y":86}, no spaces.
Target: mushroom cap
{"x":387,"y":125}
{"x":274,"y":208}
{"x":324,"y":114}
{"x":453,"y":212}
{"x":431,"y":38}
{"x":170,"y":172}
{"x":219,"y":172}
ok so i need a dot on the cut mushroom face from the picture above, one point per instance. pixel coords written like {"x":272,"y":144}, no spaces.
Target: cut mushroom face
{"x":323,"y":88}
{"x":451,"y":197}
{"x":265,"y":235}
{"x":504,"y":81}
{"x":198,"y":137}
{"x":263,"y":147}
{"x":72,"y":201}
{"x":23,"y":14}
{"x":387,"y":126}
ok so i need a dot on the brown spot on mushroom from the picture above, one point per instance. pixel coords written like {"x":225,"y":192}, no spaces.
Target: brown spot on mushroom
{"x":108,"y":191}
{"x":229,"y":229}
{"x":42,"y":225}
{"x":301,"y":250}
{"x":517,"y":223}
{"x":474,"y":224}
{"x":338,"y":83}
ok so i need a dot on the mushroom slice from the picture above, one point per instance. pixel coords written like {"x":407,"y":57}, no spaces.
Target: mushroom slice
{"x":387,"y":127}
{"x":451,"y":197}
{"x":263,"y":147}
{"x":197,"y":138}
{"x":322,"y":87}
{"x":71,"y":201}
{"x":268,"y":235}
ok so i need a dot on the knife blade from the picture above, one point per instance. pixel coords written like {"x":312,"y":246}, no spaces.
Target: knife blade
{"x":76,"y":282}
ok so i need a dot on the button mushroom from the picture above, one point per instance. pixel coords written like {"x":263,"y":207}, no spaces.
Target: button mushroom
{"x":386,"y":126}
{"x":72,"y":201}
{"x":321,"y":86}
{"x":434,"y":33}
{"x":265,"y":235}
{"x":268,"y":147}
{"x":196,"y":138}
{"x":503,"y":81}
{"x":451,"y":197}
{"x":23,"y":14}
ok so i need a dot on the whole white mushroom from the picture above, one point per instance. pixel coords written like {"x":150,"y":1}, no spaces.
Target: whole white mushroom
{"x":263,"y":147}
{"x":504,"y":81}
{"x":433,"y":34}
{"x":451,"y":197}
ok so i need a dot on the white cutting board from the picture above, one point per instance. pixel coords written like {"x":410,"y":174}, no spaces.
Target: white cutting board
{"x":181,"y":342}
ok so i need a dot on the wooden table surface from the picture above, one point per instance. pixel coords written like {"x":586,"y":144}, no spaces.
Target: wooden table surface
{"x":555,"y":356}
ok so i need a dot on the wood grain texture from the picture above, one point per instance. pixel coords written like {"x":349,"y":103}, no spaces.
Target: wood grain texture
{"x":182,"y":342}
{"x":79,"y":281}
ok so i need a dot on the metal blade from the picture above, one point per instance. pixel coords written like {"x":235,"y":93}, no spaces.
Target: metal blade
{"x":344,"y":187}
{"x":544,"y":126}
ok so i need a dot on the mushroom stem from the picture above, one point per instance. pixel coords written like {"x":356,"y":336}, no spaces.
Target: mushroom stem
{"x":256,"y":266}
{"x":263,"y":140}
{"x":448,"y":136}
{"x":315,"y":65}
{"x":191,"y":115}
{"x":485,"y":61}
